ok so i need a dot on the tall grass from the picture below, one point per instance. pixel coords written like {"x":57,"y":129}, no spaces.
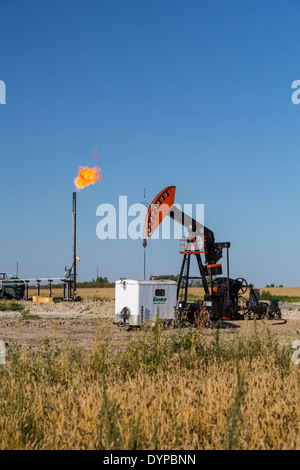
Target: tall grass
{"x":187,"y":388}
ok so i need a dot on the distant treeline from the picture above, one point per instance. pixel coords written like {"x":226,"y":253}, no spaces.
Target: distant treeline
{"x":98,"y":282}
{"x":104,"y":282}
{"x":192,"y":282}
{"x":171,"y":277}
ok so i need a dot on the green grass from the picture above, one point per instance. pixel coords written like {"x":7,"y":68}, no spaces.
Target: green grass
{"x":26,"y":315}
{"x":11,"y":306}
{"x":193,"y":297}
{"x":16,"y":307}
{"x":287,"y":298}
{"x":266,"y":295}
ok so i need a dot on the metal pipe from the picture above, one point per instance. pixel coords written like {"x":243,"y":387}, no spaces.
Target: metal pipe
{"x":187,"y":278}
{"x":50,"y":287}
{"x":26,"y":298}
{"x":180,"y":276}
{"x":74,"y":245}
{"x":228,"y":293}
{"x":203,"y":274}
{"x":36,"y":279}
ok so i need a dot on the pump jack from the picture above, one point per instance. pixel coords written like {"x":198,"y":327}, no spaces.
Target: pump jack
{"x":221,"y":294}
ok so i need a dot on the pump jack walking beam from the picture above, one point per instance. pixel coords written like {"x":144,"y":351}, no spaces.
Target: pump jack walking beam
{"x":163,"y":205}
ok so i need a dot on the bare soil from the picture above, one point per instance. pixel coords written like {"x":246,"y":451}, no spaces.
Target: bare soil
{"x":79,"y":323}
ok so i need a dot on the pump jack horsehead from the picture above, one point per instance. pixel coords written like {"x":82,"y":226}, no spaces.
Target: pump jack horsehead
{"x":223,"y":296}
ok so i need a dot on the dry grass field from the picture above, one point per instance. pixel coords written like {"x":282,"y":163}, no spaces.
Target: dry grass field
{"x":195,"y":292}
{"x":282,"y":291}
{"x":166,"y":390}
{"x":74,"y":380}
{"x":275,"y":291}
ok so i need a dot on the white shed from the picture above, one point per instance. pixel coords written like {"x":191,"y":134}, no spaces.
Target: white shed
{"x":137,"y":302}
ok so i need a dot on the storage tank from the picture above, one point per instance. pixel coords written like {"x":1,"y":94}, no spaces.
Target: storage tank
{"x":138,"y":302}
{"x":12,"y":288}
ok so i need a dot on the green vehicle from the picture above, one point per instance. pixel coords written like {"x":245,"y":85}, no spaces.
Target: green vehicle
{"x":11,"y":288}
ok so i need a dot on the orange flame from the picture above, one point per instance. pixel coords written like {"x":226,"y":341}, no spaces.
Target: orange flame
{"x":87,"y":176}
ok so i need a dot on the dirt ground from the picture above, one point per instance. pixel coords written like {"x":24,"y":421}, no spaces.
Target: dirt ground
{"x":79,"y":323}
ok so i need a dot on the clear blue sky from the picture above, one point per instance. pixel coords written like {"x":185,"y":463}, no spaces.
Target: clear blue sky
{"x":190,"y":93}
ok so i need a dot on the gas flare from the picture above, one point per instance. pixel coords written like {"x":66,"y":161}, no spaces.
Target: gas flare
{"x":87,"y":176}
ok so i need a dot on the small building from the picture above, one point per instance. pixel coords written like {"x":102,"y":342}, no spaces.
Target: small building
{"x":138,"y":302}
